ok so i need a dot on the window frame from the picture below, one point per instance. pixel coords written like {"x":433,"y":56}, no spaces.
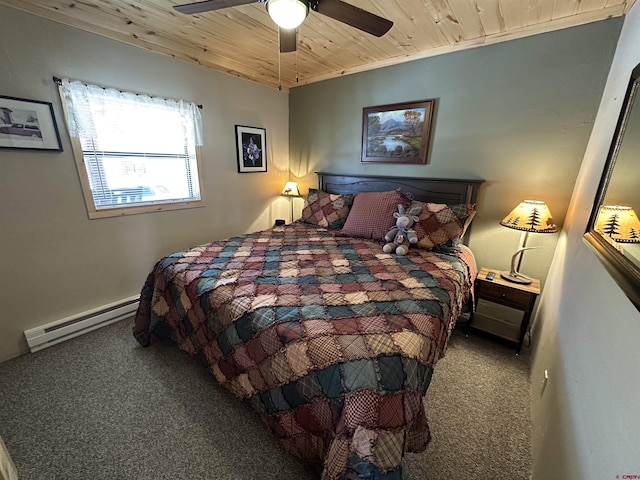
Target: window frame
{"x":124,"y":209}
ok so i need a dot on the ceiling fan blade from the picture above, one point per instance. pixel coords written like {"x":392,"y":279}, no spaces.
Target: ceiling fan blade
{"x":288,"y":39}
{"x":354,"y":16}
{"x":209,"y":5}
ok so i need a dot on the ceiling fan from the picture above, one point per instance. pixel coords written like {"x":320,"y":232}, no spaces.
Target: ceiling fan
{"x":289,"y":14}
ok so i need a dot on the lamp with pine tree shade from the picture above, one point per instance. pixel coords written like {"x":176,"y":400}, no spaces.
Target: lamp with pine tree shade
{"x":618,"y":222}
{"x":528,"y":216}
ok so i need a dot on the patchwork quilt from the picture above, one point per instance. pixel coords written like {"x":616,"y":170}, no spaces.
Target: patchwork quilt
{"x":331,"y":341}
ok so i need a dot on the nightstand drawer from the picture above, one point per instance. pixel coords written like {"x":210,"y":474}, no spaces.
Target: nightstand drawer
{"x":506,"y":296}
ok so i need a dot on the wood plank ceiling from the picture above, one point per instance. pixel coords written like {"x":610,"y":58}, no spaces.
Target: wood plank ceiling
{"x":243,"y":41}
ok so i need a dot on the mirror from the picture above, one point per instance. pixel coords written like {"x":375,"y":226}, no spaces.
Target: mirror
{"x":614,"y":228}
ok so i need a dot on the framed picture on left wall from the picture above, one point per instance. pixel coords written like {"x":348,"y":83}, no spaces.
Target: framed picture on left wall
{"x":251,"y":146}
{"x":28,"y":124}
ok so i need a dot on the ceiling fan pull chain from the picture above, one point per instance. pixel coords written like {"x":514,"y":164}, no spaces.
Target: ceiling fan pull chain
{"x":297,"y":44}
{"x":279,"y":73}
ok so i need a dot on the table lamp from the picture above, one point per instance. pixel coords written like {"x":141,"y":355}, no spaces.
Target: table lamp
{"x":291,"y":190}
{"x":618,"y":222}
{"x":528,"y":216}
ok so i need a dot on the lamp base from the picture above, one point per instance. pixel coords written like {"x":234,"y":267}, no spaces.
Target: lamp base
{"x":516,"y":277}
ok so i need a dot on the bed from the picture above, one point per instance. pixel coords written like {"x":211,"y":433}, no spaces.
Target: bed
{"x":331,"y":341}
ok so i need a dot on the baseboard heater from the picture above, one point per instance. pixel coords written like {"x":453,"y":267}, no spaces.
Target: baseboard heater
{"x":66,"y":328}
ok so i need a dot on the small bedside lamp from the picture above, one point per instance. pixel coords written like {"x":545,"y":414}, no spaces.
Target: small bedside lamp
{"x":618,"y":222}
{"x":528,"y":216}
{"x":291,"y":190}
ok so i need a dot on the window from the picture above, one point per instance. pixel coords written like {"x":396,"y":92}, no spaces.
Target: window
{"x":134,"y":153}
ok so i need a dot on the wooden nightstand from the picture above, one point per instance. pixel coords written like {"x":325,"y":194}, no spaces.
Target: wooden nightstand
{"x":503,"y":292}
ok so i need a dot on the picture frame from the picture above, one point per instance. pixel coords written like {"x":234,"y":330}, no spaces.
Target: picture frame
{"x":398,"y":132}
{"x":251,"y":149}
{"x":28,"y":124}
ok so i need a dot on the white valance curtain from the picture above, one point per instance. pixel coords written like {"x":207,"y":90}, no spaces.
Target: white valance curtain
{"x":157,"y":124}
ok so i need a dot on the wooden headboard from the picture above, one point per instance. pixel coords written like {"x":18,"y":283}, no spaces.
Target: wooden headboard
{"x":435,"y":190}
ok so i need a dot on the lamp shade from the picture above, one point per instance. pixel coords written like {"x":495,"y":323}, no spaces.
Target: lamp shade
{"x":291,"y":190}
{"x":619,"y":222}
{"x":287,"y":14}
{"x":530,"y":216}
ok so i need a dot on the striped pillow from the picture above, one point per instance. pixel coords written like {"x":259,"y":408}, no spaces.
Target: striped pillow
{"x":371,"y":215}
{"x":441,"y":225}
{"x":326,"y":209}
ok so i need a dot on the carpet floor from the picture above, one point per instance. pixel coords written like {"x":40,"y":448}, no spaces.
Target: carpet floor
{"x":101,"y":407}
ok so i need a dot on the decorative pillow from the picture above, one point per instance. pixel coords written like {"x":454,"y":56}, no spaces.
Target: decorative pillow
{"x":371,"y":215}
{"x":442,"y":225}
{"x":326,"y":209}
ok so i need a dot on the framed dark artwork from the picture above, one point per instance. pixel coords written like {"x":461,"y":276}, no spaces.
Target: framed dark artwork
{"x":28,"y":124}
{"x":397,"y":133}
{"x":251,"y":146}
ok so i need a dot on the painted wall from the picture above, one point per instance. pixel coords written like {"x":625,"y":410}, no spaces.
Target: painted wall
{"x":517,"y":114}
{"x":586,"y":421}
{"x":56,"y":262}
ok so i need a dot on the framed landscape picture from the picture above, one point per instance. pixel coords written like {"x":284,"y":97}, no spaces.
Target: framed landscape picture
{"x":28,"y":124}
{"x":251,"y":146}
{"x":397,"y":133}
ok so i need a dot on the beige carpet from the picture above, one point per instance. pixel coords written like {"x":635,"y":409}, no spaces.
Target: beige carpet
{"x":101,"y":407}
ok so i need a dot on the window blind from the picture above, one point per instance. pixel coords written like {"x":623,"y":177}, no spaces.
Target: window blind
{"x":137,"y":149}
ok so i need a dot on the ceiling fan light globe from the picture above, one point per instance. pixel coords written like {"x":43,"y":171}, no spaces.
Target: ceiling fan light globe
{"x":287,"y":14}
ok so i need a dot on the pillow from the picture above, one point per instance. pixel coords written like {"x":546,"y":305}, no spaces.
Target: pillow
{"x":371,"y":215}
{"x":326,"y":209}
{"x":442,"y":225}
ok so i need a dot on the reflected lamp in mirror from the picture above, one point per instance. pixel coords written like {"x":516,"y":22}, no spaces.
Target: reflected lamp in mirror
{"x":607,"y":232}
{"x":619,"y":223}
{"x":291,"y":190}
{"x":529,"y":216}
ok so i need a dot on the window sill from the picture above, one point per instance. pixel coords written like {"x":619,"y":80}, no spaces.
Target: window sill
{"x":139,"y":209}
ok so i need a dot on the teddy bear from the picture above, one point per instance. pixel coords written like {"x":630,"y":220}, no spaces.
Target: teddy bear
{"x":401,"y":236}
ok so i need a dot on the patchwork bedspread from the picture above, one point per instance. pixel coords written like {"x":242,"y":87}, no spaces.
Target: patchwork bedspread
{"x":330,"y":340}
